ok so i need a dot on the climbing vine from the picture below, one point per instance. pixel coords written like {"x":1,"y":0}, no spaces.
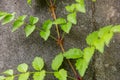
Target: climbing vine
{"x":96,"y":40}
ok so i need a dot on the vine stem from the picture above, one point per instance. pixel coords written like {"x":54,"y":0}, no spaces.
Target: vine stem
{"x":52,"y":8}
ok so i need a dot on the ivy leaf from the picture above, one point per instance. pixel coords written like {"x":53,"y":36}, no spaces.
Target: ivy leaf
{"x":2,"y":77}
{"x":22,"y":67}
{"x":29,"y":29}
{"x":56,"y":63}
{"x":38,"y":63}
{"x":107,"y":38}
{"x":9,"y":72}
{"x":72,"y":18}
{"x":18,"y":23}
{"x":81,"y":66}
{"x":33,"y":20}
{"x":8,"y":18}
{"x":116,"y":28}
{"x":93,"y":0}
{"x":88,"y":53}
{"x":59,"y":21}
{"x":61,"y":75}
{"x":66,"y":27}
{"x":47,"y":25}
{"x":24,"y":76}
{"x":70,"y":8}
{"x":103,"y":31}
{"x":2,"y":15}
{"x":80,"y":6}
{"x":92,"y":37}
{"x":9,"y":78}
{"x":29,"y":2}
{"x":45,"y":34}
{"x":99,"y":45}
{"x":39,"y":75}
{"x":73,"y":53}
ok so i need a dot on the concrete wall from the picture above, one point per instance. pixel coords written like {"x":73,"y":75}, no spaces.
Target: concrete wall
{"x":16,"y":49}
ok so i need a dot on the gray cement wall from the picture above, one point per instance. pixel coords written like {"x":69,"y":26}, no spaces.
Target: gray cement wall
{"x":16,"y":49}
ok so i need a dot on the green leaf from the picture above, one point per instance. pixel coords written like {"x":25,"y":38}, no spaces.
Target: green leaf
{"x":116,"y":28}
{"x":80,"y":7}
{"x":72,"y":18}
{"x":107,"y":38}
{"x":88,"y":53}
{"x":39,"y":75}
{"x":45,"y":34}
{"x":29,"y":2}
{"x":81,"y":66}
{"x":8,"y":72}
{"x":59,"y":21}
{"x":33,"y":20}
{"x":99,"y":45}
{"x":56,"y":63}
{"x":70,"y":8}
{"x":9,"y":78}
{"x":22,"y":67}
{"x":92,"y":37}
{"x":73,"y":53}
{"x":61,"y":75}
{"x":66,"y":27}
{"x":18,"y":23}
{"x":38,"y":63}
{"x":93,"y":0}
{"x":8,"y":18}
{"x":29,"y":29}
{"x":2,"y":15}
{"x":47,"y":25}
{"x":103,"y":31}
{"x":2,"y":77}
{"x":24,"y":76}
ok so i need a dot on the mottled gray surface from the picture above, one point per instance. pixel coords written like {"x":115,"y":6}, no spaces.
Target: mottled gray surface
{"x":16,"y":49}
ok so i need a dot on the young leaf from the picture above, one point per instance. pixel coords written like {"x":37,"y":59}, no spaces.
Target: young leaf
{"x":47,"y":25}
{"x":18,"y":23}
{"x":116,"y":28}
{"x":2,"y":77}
{"x":22,"y":67}
{"x":80,"y":7}
{"x":99,"y":45}
{"x":24,"y":76}
{"x":88,"y":53}
{"x":38,"y":63}
{"x":29,"y":29}
{"x":73,"y":53}
{"x":39,"y":75}
{"x":2,"y":15}
{"x":92,"y":37}
{"x":33,"y":20}
{"x":61,"y":75}
{"x":66,"y":27}
{"x":8,"y":72}
{"x":45,"y":34}
{"x":56,"y":63}
{"x":72,"y":18}
{"x":9,"y":78}
{"x":107,"y":37}
{"x":59,"y":21}
{"x":81,"y":66}
{"x":93,"y":0}
{"x":103,"y":31}
{"x":70,"y":8}
{"x":29,"y":2}
{"x":8,"y":18}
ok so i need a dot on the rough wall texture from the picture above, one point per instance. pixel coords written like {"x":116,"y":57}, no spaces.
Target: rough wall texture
{"x":16,"y":49}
